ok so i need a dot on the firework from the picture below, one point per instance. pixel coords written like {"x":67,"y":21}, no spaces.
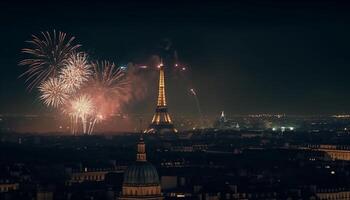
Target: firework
{"x":75,"y":72}
{"x":81,"y":108}
{"x":109,"y":85}
{"x":107,"y":76}
{"x":94,"y":120}
{"x":87,"y":93}
{"x":53,"y":92}
{"x":194,"y":93}
{"x":104,"y":92}
{"x":48,"y":53}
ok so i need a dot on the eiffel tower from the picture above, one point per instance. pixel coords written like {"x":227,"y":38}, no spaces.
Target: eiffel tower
{"x":161,"y":121}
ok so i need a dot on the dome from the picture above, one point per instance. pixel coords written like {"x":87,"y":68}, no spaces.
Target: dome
{"x":141,"y":173}
{"x":141,"y":180}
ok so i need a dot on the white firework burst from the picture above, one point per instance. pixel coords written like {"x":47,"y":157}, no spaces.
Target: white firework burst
{"x":82,"y":106}
{"x":53,"y":92}
{"x":47,"y":53}
{"x":76,"y":71}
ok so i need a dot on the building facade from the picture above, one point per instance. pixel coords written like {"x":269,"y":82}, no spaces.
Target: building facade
{"x":141,"y":180}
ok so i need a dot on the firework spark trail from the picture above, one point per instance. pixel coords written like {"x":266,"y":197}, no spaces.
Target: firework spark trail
{"x":89,"y":131}
{"x":194,"y":93}
{"x":96,"y":118}
{"x":67,"y":109}
{"x":48,"y":52}
{"x":53,"y":92}
{"x":75,"y":72}
{"x":83,"y":108}
{"x":73,"y":124}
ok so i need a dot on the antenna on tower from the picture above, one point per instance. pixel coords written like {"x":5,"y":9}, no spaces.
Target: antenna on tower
{"x":160,"y":65}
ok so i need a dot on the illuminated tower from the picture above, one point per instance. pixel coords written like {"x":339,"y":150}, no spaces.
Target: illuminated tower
{"x":161,"y":121}
{"x":222,"y":117}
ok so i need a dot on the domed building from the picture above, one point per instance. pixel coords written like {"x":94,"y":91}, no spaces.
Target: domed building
{"x":141,"y":180}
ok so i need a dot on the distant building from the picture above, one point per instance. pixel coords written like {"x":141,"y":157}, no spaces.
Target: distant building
{"x":6,"y":186}
{"x":79,"y":177}
{"x":141,"y":180}
{"x":224,"y":124}
{"x":44,"y":194}
{"x":91,"y":174}
{"x":334,"y":152}
{"x":339,"y":193}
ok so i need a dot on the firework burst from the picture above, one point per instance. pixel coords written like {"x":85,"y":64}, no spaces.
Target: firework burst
{"x":107,"y":76}
{"x":48,"y":53}
{"x":53,"y":92}
{"x":86,"y":92}
{"x":75,"y":72}
{"x":108,"y":85}
{"x":82,"y":108}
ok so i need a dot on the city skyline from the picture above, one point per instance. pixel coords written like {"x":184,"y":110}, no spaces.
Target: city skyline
{"x":258,"y":58}
{"x":185,"y":100}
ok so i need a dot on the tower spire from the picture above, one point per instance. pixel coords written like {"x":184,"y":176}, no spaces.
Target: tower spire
{"x":161,"y":89}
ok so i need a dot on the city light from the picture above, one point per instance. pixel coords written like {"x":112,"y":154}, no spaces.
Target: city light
{"x":196,"y":100}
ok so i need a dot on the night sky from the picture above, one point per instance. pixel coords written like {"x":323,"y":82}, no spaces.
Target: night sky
{"x":242,"y":57}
